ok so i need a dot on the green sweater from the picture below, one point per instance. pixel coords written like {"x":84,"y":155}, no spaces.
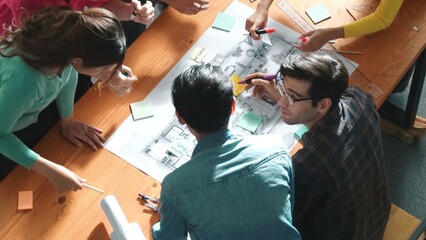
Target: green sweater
{"x":24,"y":93}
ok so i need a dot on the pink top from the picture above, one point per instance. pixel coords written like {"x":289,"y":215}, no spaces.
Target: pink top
{"x":11,"y":10}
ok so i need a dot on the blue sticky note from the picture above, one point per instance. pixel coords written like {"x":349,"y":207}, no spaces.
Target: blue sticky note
{"x":249,"y":121}
{"x":223,"y":22}
{"x":299,"y":133}
{"x":318,"y":13}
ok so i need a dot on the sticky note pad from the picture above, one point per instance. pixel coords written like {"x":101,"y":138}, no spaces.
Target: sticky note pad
{"x":198,"y":54}
{"x":25,"y":200}
{"x":318,"y":13}
{"x":299,"y":133}
{"x":238,"y":88}
{"x":223,"y":22}
{"x":142,"y":109}
{"x":249,"y":121}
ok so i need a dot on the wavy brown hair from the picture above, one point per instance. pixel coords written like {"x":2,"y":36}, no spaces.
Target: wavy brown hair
{"x":53,"y":36}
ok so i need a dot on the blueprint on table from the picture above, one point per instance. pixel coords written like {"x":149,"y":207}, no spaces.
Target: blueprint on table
{"x":159,"y":144}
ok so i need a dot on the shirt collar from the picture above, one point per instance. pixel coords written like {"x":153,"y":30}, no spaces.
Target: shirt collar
{"x":327,"y":123}
{"x":212,"y":139}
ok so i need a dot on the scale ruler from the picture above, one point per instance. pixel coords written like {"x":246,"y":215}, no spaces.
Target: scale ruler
{"x":357,"y":75}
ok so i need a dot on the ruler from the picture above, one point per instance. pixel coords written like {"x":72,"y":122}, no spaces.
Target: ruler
{"x":357,"y":75}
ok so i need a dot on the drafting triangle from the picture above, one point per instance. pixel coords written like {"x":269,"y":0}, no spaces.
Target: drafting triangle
{"x":367,"y":8}
{"x":402,"y":19}
{"x":249,"y":41}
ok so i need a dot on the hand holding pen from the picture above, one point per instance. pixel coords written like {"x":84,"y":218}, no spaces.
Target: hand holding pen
{"x":121,"y":82}
{"x":267,"y":77}
{"x":263,"y":84}
{"x":142,"y":13}
{"x":261,"y":31}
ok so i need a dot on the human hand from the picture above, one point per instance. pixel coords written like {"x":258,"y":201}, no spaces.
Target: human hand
{"x":62,"y":179}
{"x":142,"y":14}
{"x":317,"y":38}
{"x":78,"y":132}
{"x":189,"y":7}
{"x":257,"y":20}
{"x":262,"y":86}
{"x":121,"y":82}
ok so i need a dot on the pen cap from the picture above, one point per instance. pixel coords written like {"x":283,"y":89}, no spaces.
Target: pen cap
{"x":270,"y":30}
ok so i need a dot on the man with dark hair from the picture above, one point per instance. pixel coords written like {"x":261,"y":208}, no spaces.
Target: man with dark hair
{"x":341,"y":189}
{"x":232,"y":187}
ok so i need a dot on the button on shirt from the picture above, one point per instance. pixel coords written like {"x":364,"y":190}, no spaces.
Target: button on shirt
{"x":341,"y":190}
{"x":232,"y":188}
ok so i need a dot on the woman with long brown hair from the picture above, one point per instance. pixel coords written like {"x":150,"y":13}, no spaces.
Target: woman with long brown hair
{"x":39,"y":63}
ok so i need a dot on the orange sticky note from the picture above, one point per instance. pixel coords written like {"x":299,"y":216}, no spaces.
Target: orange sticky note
{"x":25,"y":200}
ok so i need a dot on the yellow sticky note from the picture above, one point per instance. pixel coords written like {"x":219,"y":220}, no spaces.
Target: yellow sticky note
{"x":25,"y":200}
{"x":238,"y":88}
{"x":198,"y":54}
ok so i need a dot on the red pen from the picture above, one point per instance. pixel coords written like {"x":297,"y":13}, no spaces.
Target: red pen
{"x":263,"y":31}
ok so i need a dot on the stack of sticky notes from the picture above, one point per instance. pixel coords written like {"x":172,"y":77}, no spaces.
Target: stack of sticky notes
{"x":299,"y":133}
{"x":249,"y":121}
{"x":198,"y":54}
{"x":25,"y":200}
{"x":141,"y":110}
{"x":223,"y":22}
{"x":318,"y":13}
{"x":238,"y":88}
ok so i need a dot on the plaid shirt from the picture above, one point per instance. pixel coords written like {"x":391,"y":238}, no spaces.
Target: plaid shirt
{"x":341,"y":190}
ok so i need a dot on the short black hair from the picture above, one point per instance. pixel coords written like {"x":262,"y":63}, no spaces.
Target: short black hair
{"x":327,"y":75}
{"x":203,"y":96}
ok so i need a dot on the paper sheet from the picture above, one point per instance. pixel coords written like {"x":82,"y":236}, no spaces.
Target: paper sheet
{"x":147,"y":144}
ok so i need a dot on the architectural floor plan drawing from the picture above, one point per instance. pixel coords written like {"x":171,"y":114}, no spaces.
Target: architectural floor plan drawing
{"x":159,"y":144}
{"x":249,"y":56}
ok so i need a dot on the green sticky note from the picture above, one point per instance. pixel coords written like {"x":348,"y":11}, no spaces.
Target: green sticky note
{"x":318,"y":13}
{"x":142,"y":109}
{"x":299,"y":133}
{"x":223,"y":22}
{"x":249,"y":121}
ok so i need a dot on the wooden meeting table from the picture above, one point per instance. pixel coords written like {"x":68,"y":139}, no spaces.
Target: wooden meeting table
{"x":78,"y":215}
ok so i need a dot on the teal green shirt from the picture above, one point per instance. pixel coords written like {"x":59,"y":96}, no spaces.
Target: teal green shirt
{"x":24,"y":93}
{"x":232,"y":188}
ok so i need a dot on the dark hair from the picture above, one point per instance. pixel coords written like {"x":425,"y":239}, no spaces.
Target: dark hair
{"x":203,"y":96}
{"x":327,"y":75}
{"x":55,"y":35}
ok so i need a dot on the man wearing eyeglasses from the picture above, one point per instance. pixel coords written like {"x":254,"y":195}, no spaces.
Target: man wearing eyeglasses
{"x":341,"y":190}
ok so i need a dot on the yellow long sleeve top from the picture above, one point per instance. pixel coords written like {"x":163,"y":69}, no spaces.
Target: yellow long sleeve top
{"x":380,"y":19}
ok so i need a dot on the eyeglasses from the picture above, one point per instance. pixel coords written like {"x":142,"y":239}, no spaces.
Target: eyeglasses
{"x":283,"y":92}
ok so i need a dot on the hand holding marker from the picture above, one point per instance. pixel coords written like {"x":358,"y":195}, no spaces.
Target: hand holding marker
{"x":268,"y":77}
{"x":264,"y":31}
{"x":304,"y":39}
